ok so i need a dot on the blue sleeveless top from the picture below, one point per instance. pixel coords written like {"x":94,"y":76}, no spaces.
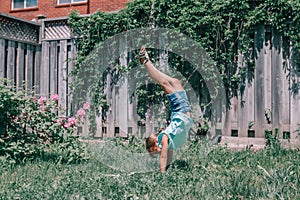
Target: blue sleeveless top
{"x":178,"y":129}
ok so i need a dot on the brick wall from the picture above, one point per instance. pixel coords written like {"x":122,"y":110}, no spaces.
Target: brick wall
{"x":51,"y":9}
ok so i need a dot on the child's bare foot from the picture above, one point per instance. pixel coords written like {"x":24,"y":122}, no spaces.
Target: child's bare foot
{"x":144,"y":57}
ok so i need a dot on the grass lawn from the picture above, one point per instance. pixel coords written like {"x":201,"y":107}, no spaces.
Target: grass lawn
{"x":200,"y":172}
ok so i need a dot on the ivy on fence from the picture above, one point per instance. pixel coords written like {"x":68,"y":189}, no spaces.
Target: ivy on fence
{"x":223,"y":28}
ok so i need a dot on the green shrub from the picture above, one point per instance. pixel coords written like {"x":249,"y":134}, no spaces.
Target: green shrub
{"x":272,"y":142}
{"x":34,"y":127}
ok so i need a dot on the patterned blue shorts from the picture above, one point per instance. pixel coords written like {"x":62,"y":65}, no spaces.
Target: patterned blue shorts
{"x":179,"y":102}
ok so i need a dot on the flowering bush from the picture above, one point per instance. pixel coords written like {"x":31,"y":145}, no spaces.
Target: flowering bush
{"x":33,"y":127}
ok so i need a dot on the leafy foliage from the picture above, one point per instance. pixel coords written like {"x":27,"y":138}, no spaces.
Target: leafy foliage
{"x":224,"y":29}
{"x":32,"y":128}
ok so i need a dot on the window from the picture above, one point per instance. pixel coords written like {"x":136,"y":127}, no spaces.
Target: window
{"x":17,"y":4}
{"x":70,"y":1}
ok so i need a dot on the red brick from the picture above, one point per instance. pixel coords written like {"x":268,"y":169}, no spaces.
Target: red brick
{"x":50,"y":9}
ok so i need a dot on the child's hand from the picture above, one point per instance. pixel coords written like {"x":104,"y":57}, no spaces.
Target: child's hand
{"x":144,"y":57}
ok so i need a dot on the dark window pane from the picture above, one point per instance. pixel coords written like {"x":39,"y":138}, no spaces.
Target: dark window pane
{"x":18,"y":4}
{"x":31,"y":3}
{"x":64,"y":1}
{"x":79,"y":1}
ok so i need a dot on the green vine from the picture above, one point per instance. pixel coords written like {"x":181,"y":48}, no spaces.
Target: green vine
{"x":223,"y":28}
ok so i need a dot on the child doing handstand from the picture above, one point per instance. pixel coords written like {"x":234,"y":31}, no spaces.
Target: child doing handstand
{"x":176,"y":133}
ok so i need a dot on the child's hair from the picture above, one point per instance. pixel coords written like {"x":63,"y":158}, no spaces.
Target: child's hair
{"x":150,"y":141}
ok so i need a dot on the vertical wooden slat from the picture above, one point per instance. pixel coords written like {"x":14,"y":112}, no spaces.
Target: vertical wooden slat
{"x":122,"y":97}
{"x":2,"y":58}
{"x":227,"y":123}
{"x":11,"y":61}
{"x":53,"y":68}
{"x":285,"y":109}
{"x":71,"y":64}
{"x":62,"y":74}
{"x":268,"y":76}
{"x":44,"y":86}
{"x":259,"y":39}
{"x":132,"y":105}
{"x":29,"y":67}
{"x":37,"y":70}
{"x":243,"y":108}
{"x":294,"y":97}
{"x":20,"y":65}
{"x":251,"y":100}
{"x":86,"y":123}
{"x":234,"y":113}
{"x":277,"y":84}
{"x":110,"y":113}
{"x":149,"y":126}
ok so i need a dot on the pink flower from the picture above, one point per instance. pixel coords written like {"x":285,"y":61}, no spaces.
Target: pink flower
{"x":147,"y":116}
{"x":143,"y":122}
{"x":65,"y":125}
{"x":86,"y":106}
{"x":42,"y":107}
{"x":54,"y":97}
{"x":81,"y":112}
{"x":42,"y":100}
{"x":72,"y":121}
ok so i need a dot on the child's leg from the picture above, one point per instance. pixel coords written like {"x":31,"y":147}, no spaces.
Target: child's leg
{"x":168,"y":83}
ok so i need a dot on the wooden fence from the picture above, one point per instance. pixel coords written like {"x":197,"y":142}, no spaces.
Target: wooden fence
{"x":41,"y":61}
{"x":268,"y":102}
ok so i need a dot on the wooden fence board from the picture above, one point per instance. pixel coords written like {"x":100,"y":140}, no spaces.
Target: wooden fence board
{"x":122,"y":97}
{"x":2,"y":58}
{"x":277,"y":75}
{"x":109,"y":113}
{"x":37,"y":69}
{"x":11,"y":61}
{"x":62,"y":77}
{"x":20,"y":65}
{"x":234,"y":113}
{"x":45,"y":69}
{"x":71,"y":65}
{"x":110,"y":92}
{"x":259,"y":40}
{"x":294,"y":98}
{"x":268,"y":79}
{"x":29,"y":67}
{"x":243,"y":108}
{"x":53,"y":68}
